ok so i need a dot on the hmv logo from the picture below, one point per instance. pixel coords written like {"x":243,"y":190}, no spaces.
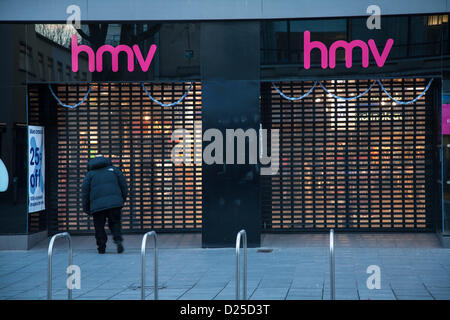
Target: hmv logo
{"x":328,"y":58}
{"x":96,"y":59}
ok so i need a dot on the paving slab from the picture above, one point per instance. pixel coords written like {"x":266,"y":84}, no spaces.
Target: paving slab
{"x":413,"y":266}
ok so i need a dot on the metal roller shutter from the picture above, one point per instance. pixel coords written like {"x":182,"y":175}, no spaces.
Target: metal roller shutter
{"x":350,"y":165}
{"x":120,"y":121}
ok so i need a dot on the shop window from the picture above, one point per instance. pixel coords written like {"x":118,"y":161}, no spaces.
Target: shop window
{"x":436,"y":20}
{"x":25,"y":59}
{"x":41,"y":66}
{"x":22,"y":57}
{"x":426,"y":34}
{"x":29,"y":66}
{"x":60,"y":71}
{"x":51,"y":76}
{"x":282,"y":41}
{"x":288,"y":45}
{"x":391,"y":27}
{"x":414,"y":36}
{"x":68,"y":73}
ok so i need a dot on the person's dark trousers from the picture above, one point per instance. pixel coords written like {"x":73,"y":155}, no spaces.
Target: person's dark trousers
{"x":113,"y":216}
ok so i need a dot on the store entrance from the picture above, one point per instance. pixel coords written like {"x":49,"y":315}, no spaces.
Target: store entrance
{"x":363,"y":164}
{"x":120,"y":121}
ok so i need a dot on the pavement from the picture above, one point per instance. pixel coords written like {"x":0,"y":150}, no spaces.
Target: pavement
{"x":287,"y":266}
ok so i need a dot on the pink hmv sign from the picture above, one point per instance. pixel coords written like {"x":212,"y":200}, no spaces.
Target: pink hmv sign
{"x":446,"y":118}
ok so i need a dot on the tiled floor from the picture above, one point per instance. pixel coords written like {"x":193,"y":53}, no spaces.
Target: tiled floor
{"x":413,"y":266}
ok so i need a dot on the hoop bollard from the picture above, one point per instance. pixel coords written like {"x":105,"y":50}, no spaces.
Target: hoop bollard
{"x":332,"y":275}
{"x":50,"y":271}
{"x":143,"y":247}
{"x":241,"y":235}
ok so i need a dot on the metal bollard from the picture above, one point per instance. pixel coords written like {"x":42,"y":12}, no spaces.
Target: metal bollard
{"x":50,"y":270}
{"x":241,"y":234}
{"x":332,"y":274}
{"x":143,"y":247}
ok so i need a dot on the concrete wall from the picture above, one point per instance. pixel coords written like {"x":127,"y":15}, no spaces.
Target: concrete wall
{"x":132,"y":10}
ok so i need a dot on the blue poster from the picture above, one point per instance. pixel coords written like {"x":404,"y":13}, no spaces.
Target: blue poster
{"x":36,"y":169}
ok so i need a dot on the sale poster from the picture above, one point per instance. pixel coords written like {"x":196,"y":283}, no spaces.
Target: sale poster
{"x":36,"y":169}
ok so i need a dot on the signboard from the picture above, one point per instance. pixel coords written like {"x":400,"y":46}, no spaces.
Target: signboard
{"x":36,"y":169}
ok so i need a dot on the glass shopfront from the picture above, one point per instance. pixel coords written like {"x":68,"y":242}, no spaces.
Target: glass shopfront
{"x":369,"y":163}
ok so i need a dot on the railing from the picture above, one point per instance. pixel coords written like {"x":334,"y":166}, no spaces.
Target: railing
{"x":241,"y":235}
{"x":143,"y":247}
{"x":50,"y":255}
{"x":332,"y":274}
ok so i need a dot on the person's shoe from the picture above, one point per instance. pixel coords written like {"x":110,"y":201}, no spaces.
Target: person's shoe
{"x":120,"y":248}
{"x":101,"y":250}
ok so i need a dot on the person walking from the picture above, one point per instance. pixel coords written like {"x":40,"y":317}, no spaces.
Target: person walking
{"x":104,"y":192}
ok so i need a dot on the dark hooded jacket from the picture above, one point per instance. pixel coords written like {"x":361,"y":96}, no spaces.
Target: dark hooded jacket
{"x":104,"y":186}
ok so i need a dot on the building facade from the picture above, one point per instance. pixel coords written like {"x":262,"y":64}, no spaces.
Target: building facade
{"x":360,"y":114}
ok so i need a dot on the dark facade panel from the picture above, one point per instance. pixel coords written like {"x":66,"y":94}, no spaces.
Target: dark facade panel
{"x":231,"y":199}
{"x":230,"y":79}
